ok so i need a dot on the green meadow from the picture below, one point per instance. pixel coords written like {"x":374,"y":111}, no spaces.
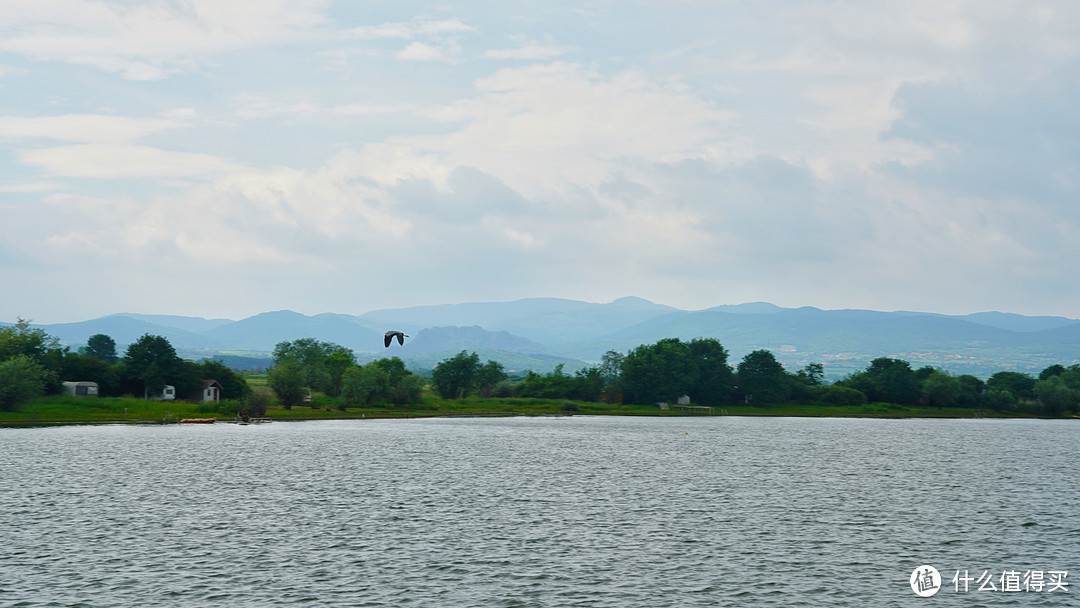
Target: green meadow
{"x":56,"y":409}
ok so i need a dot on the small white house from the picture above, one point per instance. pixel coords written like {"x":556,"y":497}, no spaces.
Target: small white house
{"x":81,"y":389}
{"x":684,"y":400}
{"x":211,"y":391}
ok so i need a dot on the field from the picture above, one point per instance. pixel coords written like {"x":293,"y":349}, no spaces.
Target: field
{"x":127,"y":409}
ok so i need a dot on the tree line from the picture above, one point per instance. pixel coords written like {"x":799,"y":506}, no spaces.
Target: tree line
{"x":301,"y":367}
{"x":33,"y":363}
{"x":699,"y":369}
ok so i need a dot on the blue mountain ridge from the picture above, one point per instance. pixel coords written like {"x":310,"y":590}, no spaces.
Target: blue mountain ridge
{"x":576,"y":333}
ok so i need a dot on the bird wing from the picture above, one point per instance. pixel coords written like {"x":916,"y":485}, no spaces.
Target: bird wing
{"x":401,"y":338}
{"x":387,"y":338}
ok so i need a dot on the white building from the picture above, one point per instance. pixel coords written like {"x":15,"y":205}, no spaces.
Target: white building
{"x":81,"y":389}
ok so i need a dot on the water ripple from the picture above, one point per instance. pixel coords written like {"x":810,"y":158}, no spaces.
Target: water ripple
{"x":602,"y":512}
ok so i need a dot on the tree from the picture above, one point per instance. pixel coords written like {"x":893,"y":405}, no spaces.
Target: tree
{"x":611,"y":365}
{"x":1055,"y":396}
{"x":971,"y":391}
{"x":81,"y":367}
{"x":811,"y":375}
{"x":886,"y":380}
{"x":362,"y":385}
{"x":151,"y":363}
{"x":1054,"y":370}
{"x":588,"y":384}
{"x":940,"y":389}
{"x":288,"y":381}
{"x":256,"y":403}
{"x":999,"y":399}
{"x":663,"y":371}
{"x":20,"y":339}
{"x":1021,"y":385}
{"x":336,"y":362}
{"x":408,"y":390}
{"x":454,"y":378}
{"x":1071,"y":376}
{"x":762,"y":378}
{"x":404,"y":386}
{"x":101,"y":347}
{"x":322,"y":362}
{"x":714,"y":380}
{"x":554,"y":385}
{"x":835,"y":394}
{"x":489,"y":374}
{"x":21,"y":379}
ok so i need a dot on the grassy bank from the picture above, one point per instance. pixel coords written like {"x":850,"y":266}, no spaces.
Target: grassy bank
{"x":126,"y":409}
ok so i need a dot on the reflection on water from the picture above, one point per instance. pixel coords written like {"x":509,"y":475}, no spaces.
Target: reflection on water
{"x":582,"y":511}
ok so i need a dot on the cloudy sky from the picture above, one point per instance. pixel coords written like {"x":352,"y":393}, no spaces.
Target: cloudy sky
{"x":222,"y":158}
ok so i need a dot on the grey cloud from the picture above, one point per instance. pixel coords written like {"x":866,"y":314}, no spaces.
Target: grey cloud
{"x":473,"y":195}
{"x":1015,"y":139}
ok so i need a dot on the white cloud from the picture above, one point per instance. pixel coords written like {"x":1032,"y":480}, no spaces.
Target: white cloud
{"x":821,"y":152}
{"x":150,"y":40}
{"x":419,"y":51}
{"x":95,"y":128}
{"x":411,"y":29}
{"x":105,"y":161}
{"x":29,"y":187}
{"x":256,"y":106}
{"x":544,"y":125}
{"x":7,"y":69}
{"x":527,"y":50}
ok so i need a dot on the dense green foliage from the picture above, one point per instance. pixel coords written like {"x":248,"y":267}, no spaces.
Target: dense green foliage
{"x":21,"y":379}
{"x":381,"y":381}
{"x":462,"y":374}
{"x":304,"y":367}
{"x":101,"y":347}
{"x":671,"y":368}
{"x":33,"y":363}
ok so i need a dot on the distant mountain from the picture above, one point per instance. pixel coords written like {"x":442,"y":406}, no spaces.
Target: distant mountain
{"x":550,"y":321}
{"x":125,"y":330}
{"x":539,"y":333}
{"x":512,"y":362}
{"x":264,"y":331}
{"x":849,"y":339}
{"x":457,"y":339}
{"x":192,"y":324}
{"x":1014,"y":322}
{"x":750,"y":308}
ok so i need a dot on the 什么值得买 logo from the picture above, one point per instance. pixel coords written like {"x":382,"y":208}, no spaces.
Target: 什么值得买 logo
{"x":926,"y":581}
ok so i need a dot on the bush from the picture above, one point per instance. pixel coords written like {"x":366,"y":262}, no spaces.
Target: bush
{"x":257,"y":402}
{"x":842,"y":395}
{"x":504,"y":389}
{"x":21,"y":379}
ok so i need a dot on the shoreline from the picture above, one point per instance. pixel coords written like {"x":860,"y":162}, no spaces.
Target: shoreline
{"x":78,"y":422}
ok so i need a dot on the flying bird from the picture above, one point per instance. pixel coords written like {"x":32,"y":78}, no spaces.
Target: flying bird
{"x":390,"y":335}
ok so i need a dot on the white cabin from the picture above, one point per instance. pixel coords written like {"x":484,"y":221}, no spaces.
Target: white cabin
{"x":211,"y":391}
{"x":81,"y":389}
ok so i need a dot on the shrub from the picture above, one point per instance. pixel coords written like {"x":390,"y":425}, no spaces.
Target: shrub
{"x":842,"y":395}
{"x":21,"y":379}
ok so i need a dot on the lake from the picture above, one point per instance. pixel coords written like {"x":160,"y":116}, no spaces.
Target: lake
{"x":545,"y":511}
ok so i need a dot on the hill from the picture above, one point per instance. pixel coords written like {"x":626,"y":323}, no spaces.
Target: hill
{"x":539,"y":333}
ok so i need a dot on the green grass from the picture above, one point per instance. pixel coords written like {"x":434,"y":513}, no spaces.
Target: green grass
{"x":83,"y":409}
{"x":54,"y":409}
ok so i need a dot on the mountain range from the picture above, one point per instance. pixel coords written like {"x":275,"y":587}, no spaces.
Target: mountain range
{"x":540,"y":333}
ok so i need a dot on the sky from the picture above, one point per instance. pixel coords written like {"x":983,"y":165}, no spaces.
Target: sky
{"x":223,"y":158}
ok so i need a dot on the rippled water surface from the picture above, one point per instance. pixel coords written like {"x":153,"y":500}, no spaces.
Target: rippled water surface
{"x":582,"y":511}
